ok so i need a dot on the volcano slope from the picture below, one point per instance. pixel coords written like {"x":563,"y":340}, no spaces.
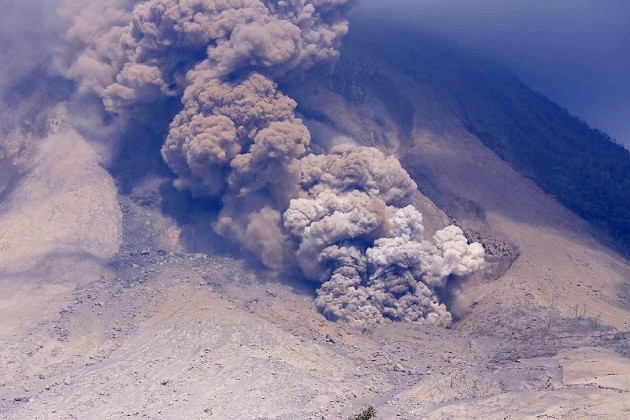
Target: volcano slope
{"x":118,"y":300}
{"x":410,"y":105}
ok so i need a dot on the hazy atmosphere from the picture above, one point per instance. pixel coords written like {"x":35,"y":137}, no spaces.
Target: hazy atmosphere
{"x":308,"y":209}
{"x":576,"y":52}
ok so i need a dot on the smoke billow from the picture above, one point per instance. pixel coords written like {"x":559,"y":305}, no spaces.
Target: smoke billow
{"x":345,"y":218}
{"x":359,"y":235}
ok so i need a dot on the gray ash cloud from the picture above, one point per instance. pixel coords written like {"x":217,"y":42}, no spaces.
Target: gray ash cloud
{"x":345,"y":218}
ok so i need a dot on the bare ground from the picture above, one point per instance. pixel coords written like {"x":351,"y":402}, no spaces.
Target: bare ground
{"x":162,"y":332}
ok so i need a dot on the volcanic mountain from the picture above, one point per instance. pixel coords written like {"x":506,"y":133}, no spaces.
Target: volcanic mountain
{"x":119,"y":299}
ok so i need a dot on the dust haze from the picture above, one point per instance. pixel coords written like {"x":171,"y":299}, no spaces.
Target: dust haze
{"x":577,"y":52}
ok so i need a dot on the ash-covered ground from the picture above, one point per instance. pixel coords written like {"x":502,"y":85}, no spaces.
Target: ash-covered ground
{"x":178,"y":325}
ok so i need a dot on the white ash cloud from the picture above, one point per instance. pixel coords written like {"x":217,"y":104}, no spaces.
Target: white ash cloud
{"x":344,"y":218}
{"x":360,"y":237}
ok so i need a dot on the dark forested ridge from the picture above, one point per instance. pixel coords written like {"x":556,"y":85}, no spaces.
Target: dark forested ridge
{"x":579,"y":165}
{"x":582,"y":167}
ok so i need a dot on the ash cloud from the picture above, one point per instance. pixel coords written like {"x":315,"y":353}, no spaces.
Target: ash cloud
{"x":360,"y":237}
{"x":344,"y":218}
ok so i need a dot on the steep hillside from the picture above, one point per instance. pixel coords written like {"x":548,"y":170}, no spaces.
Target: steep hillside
{"x":580,"y":166}
{"x":408,"y":93}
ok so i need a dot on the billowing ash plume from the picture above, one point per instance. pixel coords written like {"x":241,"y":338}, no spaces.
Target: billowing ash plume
{"x":360,"y":236}
{"x":345,"y":219}
{"x":134,"y":52}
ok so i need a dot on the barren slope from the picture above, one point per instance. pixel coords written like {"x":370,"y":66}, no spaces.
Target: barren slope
{"x":172,"y":334}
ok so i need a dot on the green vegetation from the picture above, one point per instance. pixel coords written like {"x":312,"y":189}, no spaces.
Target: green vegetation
{"x":367,"y":414}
